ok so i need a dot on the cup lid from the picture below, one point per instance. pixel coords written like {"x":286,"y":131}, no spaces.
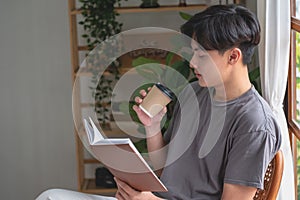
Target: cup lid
{"x":165,"y":90}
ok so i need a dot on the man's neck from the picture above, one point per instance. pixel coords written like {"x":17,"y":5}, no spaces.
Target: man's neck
{"x":234,"y":87}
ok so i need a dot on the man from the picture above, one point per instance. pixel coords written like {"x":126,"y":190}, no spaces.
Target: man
{"x":223,"y":134}
{"x":233,"y":166}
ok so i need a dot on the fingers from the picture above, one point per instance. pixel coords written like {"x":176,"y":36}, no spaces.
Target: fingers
{"x":163,"y":111}
{"x":141,"y":114}
{"x":119,"y":196}
{"x":138,"y":100}
{"x":124,"y":186}
{"x":143,"y":93}
{"x":160,"y":115}
{"x":138,"y":110}
{"x":124,"y":190}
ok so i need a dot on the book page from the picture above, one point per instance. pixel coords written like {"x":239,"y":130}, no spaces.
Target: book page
{"x":97,"y":135}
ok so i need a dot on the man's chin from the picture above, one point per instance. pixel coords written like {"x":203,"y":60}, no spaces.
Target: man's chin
{"x":202,"y":83}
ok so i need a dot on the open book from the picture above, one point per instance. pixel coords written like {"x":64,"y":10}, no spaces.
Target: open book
{"x":123,"y":160}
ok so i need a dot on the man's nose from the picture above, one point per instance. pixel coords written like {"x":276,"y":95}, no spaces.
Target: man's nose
{"x":192,"y":62}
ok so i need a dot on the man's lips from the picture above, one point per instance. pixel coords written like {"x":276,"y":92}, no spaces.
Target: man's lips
{"x":198,"y":75}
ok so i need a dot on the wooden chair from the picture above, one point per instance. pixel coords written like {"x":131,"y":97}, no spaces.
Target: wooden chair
{"x":272,"y":179}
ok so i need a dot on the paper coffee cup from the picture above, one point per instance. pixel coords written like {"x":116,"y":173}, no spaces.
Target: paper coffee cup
{"x":158,"y":97}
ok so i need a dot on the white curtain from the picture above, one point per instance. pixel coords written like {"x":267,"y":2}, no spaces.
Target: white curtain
{"x":274,"y":16}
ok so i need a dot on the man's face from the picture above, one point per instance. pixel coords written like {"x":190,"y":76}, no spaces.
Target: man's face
{"x":209,"y":66}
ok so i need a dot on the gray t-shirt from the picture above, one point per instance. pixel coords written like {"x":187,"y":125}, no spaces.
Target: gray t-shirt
{"x":211,"y":143}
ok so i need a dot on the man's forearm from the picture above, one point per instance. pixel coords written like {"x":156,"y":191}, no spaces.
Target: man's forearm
{"x":155,"y":145}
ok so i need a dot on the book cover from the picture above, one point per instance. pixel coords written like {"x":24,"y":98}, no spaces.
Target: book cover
{"x":123,"y":160}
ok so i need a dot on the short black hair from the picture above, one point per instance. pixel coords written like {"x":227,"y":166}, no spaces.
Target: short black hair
{"x":222,"y":27}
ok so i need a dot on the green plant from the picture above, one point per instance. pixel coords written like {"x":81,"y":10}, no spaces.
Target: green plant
{"x":254,"y":75}
{"x":99,"y":20}
{"x":99,"y":23}
{"x":297,"y":110}
{"x":185,"y":16}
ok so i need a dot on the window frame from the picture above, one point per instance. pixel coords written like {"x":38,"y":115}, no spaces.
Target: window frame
{"x":293,"y":126}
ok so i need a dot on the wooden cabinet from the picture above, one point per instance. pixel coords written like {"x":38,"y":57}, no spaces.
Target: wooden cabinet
{"x":86,"y":184}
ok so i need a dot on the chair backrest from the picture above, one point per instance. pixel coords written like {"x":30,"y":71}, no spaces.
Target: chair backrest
{"x":272,"y":179}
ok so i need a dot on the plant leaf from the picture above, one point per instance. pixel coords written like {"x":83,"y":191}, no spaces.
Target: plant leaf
{"x":151,"y":76}
{"x":182,"y":67}
{"x":143,"y":67}
{"x":254,"y":74}
{"x":172,"y":78}
{"x":142,"y":60}
{"x":185,"y":16}
{"x":169,"y":58}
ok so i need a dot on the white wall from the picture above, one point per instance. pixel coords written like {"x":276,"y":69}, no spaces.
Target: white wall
{"x":37,"y":148}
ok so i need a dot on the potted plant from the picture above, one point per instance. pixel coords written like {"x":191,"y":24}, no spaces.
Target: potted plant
{"x":99,"y":23}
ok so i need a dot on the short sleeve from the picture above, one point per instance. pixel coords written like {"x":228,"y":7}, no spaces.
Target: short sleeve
{"x":248,"y":158}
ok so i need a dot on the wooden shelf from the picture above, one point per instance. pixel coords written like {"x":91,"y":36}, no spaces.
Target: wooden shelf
{"x":83,"y":48}
{"x":92,"y":105}
{"x":160,"y":9}
{"x":90,"y":74}
{"x":145,"y":10}
{"x":89,"y":186}
{"x":86,"y":73}
{"x":91,"y":161}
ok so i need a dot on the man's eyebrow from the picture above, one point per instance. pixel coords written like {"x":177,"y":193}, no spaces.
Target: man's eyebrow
{"x":196,"y":48}
{"x":200,"y":51}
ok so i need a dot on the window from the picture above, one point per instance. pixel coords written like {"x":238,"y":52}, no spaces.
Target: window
{"x":294,"y":90}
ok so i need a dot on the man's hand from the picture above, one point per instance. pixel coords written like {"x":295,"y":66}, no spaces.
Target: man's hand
{"x":144,"y":118}
{"x":125,"y":192}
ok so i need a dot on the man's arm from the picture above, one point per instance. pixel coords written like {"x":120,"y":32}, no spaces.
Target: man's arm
{"x":155,"y":142}
{"x":238,"y":192}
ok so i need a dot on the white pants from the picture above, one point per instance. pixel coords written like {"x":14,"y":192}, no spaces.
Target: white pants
{"x":61,"y":194}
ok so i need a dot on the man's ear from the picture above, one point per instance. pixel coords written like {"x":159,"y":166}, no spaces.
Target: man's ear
{"x":234,"y":55}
